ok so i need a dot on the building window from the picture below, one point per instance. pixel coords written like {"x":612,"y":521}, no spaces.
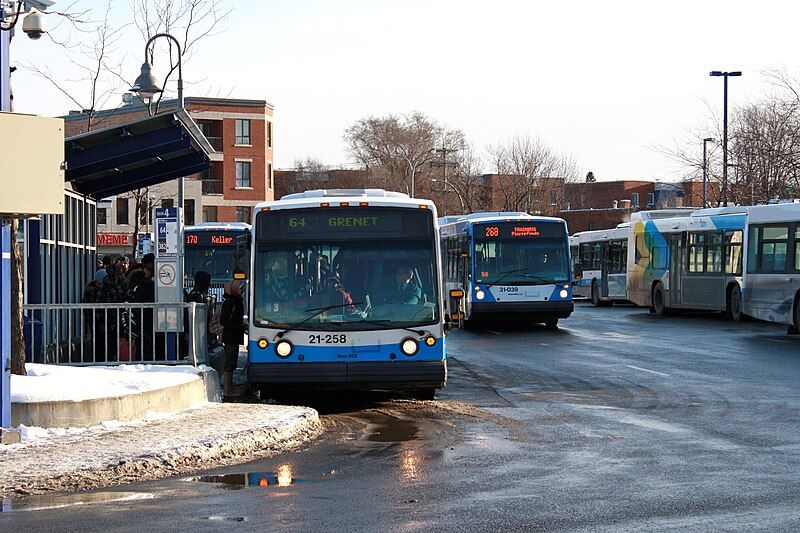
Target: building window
{"x":122,"y":211}
{"x":243,"y":214}
{"x":242,"y":131}
{"x":269,"y":134}
{"x":551,"y":196}
{"x":102,"y":216}
{"x":242,"y":174}
{"x":209,"y":213}
{"x":188,"y":212}
{"x":167,"y":203}
{"x":635,"y":200}
{"x":270,"y":177}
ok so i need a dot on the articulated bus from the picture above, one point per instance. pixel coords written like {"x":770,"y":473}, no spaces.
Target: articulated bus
{"x":693,"y":261}
{"x":509,"y":265}
{"x":600,"y":260}
{"x":210,"y":247}
{"x":345,"y":293}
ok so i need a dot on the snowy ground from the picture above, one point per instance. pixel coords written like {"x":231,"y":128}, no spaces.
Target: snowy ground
{"x":45,"y":383}
{"x":118,"y":453}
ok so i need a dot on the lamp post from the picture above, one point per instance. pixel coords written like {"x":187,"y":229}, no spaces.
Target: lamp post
{"x":705,"y":170}
{"x":724,"y":75}
{"x":444,"y":188}
{"x":147,"y":86}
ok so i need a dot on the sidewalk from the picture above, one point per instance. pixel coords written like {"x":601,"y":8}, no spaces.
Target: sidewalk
{"x":204,"y":437}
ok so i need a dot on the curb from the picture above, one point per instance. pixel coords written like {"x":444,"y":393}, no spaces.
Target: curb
{"x":64,"y":414}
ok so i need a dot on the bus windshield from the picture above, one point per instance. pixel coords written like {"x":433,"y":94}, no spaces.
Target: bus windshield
{"x":521,"y":253}
{"x":350,"y":280}
{"x":216,"y":261}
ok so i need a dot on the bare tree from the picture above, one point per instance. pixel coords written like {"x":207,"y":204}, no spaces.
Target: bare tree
{"x":531,"y":176}
{"x":397,"y":149}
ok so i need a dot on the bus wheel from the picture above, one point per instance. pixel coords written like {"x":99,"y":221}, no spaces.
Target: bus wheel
{"x":551,"y":324}
{"x":735,"y":311}
{"x":424,"y":394}
{"x":596,"y":295}
{"x":659,"y":307}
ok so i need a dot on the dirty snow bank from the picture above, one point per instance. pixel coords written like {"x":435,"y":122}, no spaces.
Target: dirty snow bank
{"x":49,"y":383}
{"x":196,"y":439}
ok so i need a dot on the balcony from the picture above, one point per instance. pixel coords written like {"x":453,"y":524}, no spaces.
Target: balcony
{"x":216,"y":143}
{"x":212,"y":186}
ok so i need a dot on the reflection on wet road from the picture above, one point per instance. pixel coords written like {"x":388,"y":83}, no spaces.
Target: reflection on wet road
{"x":619,"y":420}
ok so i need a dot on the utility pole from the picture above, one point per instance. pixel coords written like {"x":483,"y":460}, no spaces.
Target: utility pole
{"x":724,"y":75}
{"x":443,"y":151}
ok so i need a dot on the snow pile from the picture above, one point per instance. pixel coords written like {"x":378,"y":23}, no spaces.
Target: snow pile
{"x":49,"y":383}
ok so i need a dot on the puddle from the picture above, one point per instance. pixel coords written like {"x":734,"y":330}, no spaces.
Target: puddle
{"x":282,"y":477}
{"x":59,"y":501}
{"x":384,"y":428}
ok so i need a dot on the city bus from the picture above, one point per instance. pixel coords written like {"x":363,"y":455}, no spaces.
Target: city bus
{"x":687,"y":260}
{"x":600,"y":259}
{"x":511,"y":266}
{"x":210,"y":247}
{"x":345,"y":293}
{"x":772,"y":264}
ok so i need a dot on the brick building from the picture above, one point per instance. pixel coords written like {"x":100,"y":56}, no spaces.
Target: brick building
{"x":241,"y":174}
{"x":289,"y":181}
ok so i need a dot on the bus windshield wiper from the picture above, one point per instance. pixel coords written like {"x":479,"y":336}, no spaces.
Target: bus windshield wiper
{"x":319,"y":311}
{"x":387,"y":322}
{"x":505,"y":275}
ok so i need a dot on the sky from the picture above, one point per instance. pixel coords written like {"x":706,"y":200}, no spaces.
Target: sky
{"x":607,"y":82}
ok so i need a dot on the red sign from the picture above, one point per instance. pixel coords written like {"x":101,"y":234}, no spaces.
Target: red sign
{"x":221,"y":239}
{"x":113,"y":239}
{"x":525,"y":231}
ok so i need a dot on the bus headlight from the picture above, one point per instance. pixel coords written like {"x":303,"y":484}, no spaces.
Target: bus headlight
{"x":263,"y":343}
{"x":284,"y":349}
{"x":409,"y":346}
{"x":430,"y":340}
{"x":480,"y":295}
{"x":564,"y":293}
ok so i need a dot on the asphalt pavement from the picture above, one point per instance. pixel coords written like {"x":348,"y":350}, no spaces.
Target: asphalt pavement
{"x":619,"y":420}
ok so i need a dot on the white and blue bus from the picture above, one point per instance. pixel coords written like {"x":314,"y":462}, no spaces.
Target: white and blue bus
{"x":600,"y":260}
{"x":345,"y":293}
{"x":511,"y":266}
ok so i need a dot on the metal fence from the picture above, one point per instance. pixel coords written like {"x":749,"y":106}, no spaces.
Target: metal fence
{"x":98,"y":334}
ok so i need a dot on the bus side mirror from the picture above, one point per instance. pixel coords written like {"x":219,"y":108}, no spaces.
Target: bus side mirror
{"x":240,"y":253}
{"x":453,"y":321}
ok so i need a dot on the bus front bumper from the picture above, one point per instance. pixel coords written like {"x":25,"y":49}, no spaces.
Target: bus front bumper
{"x":529,"y":310}
{"x":366,"y":375}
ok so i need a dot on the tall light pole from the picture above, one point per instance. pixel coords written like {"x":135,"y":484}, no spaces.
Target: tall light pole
{"x":458,"y":193}
{"x":725,"y":75}
{"x":147,"y":86}
{"x":705,"y":170}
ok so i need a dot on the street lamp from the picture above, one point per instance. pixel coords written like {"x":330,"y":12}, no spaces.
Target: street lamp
{"x":724,"y":75}
{"x":147,"y":86}
{"x":705,"y":171}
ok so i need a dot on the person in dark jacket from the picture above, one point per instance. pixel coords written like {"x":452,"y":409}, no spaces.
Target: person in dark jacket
{"x":233,"y":328}
{"x":198,"y":295}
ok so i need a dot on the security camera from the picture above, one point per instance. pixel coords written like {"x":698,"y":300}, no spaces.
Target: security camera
{"x":34,"y":25}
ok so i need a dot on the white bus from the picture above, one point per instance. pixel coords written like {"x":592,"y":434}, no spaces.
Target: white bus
{"x":772,"y":264}
{"x":600,"y":259}
{"x":690,"y":261}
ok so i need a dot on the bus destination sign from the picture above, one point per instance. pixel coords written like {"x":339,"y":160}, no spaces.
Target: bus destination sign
{"x":517,"y":230}
{"x":210,"y":238}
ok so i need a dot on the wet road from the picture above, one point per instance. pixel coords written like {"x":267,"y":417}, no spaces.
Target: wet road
{"x":619,"y":420}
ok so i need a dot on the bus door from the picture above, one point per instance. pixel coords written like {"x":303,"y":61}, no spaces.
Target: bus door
{"x":605,"y":266}
{"x":676,"y":269}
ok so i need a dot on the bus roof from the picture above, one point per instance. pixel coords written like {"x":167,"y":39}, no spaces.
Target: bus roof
{"x":495,"y":216}
{"x":354,"y":197}
{"x":218,"y":226}
{"x":620,"y":231}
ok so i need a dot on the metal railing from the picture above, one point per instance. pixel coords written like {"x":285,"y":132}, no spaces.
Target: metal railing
{"x":111,"y":333}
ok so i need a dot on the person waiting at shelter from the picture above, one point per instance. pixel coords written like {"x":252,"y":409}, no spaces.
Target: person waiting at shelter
{"x":145,"y":292}
{"x":233,"y":329}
